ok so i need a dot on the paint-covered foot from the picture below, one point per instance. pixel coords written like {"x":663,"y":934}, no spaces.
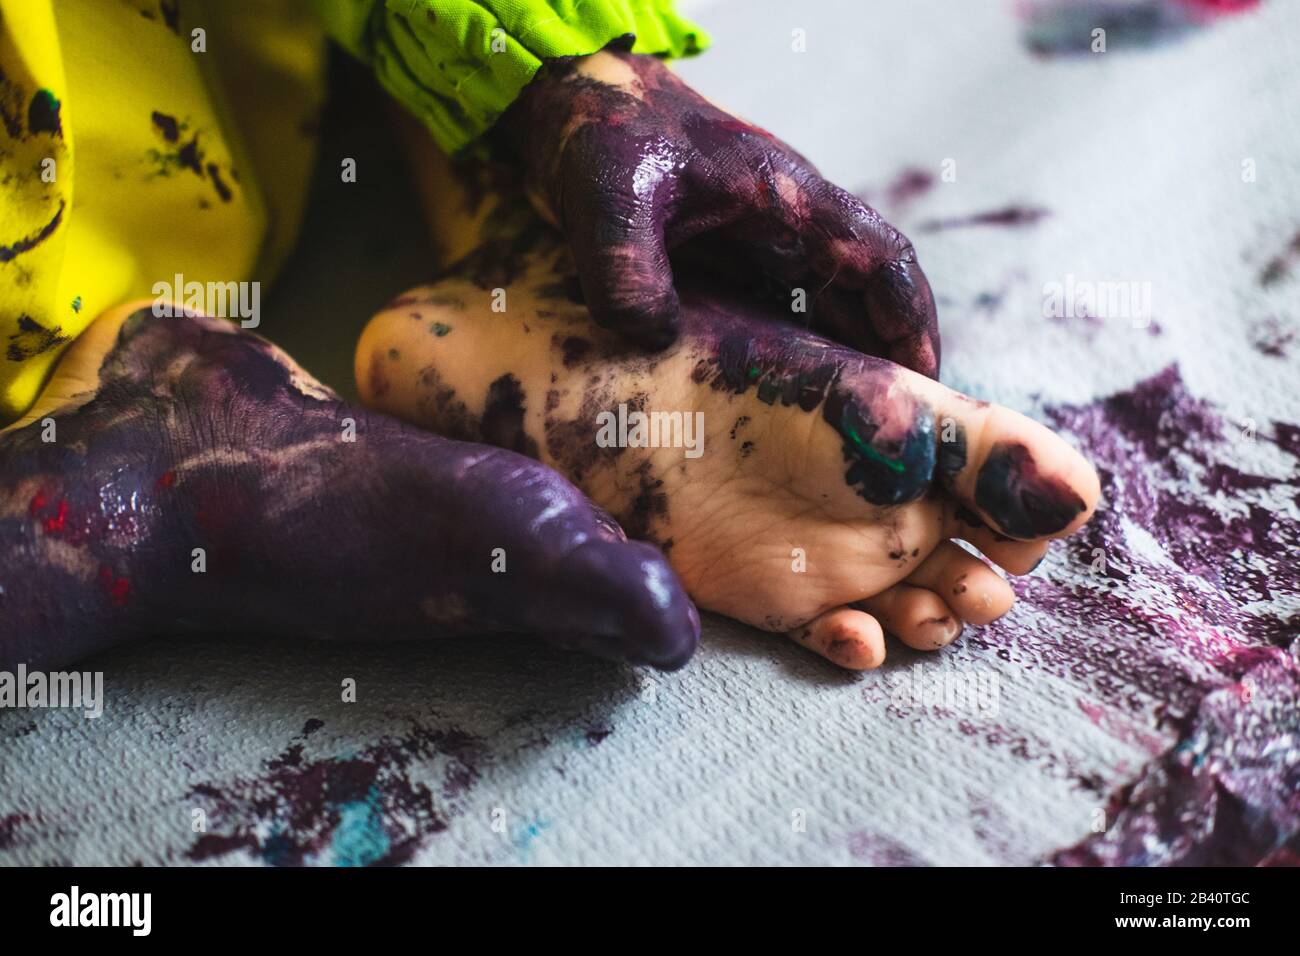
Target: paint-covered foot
{"x":182,"y":475}
{"x":794,"y":484}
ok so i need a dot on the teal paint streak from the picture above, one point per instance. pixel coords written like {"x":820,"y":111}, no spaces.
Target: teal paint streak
{"x":524,"y":835}
{"x":359,"y":839}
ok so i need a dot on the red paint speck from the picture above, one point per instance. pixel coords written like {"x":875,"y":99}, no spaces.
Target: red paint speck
{"x":57,"y":523}
{"x":120,"y":592}
{"x":167,"y":479}
{"x":119,"y":589}
{"x":38,"y":503}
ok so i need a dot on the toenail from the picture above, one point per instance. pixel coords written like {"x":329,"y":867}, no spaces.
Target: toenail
{"x":1021,"y":501}
{"x":944,"y":630}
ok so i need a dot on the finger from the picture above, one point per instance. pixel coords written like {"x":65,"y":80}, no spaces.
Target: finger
{"x":620,"y":600}
{"x":970,"y":587}
{"x":852,"y":247}
{"x":837,"y":313}
{"x":845,"y":636}
{"x":916,"y":616}
{"x":900,"y":310}
{"x":618,"y":248}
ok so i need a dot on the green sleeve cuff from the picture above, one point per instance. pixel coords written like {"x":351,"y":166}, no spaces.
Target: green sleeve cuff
{"x":457,"y":64}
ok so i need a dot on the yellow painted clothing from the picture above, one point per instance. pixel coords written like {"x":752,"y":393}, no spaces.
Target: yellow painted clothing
{"x":133,"y":150}
{"x":146,"y":140}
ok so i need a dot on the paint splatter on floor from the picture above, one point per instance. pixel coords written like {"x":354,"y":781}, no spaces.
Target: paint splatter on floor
{"x":909,"y":185}
{"x":1069,"y":27}
{"x":1280,"y":266}
{"x":1192,"y":553}
{"x":1014,"y":216}
{"x":359,"y":809}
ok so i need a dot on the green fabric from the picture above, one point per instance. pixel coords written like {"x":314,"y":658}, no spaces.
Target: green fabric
{"x":437,"y":57}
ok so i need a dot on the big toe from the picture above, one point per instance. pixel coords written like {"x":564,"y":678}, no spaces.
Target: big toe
{"x":1021,"y":479}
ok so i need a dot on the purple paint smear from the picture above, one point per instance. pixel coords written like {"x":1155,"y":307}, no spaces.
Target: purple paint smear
{"x":1199,"y":555}
{"x":1009,"y":216}
{"x":910,"y":184}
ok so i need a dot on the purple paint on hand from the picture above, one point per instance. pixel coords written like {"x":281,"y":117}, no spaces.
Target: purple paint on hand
{"x":631,"y":172}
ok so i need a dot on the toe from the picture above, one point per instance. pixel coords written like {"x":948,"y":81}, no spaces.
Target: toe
{"x":1017,"y":476}
{"x":900,"y":434}
{"x":1014,"y":557}
{"x":965,"y":583}
{"x":845,"y":636}
{"x":916,"y":616}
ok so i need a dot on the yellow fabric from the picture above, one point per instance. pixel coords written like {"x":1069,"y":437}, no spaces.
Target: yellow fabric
{"x":166,"y":160}
{"x":141,"y":140}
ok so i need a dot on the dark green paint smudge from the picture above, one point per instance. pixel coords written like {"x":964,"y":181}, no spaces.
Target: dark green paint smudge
{"x":43,"y":114}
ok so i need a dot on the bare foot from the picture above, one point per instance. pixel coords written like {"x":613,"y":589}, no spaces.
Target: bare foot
{"x":828,"y":485}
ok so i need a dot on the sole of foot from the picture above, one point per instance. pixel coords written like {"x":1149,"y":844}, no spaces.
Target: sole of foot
{"x":794,"y":484}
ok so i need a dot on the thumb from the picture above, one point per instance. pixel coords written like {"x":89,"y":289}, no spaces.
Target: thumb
{"x":621,"y":600}
{"x":627,"y":280}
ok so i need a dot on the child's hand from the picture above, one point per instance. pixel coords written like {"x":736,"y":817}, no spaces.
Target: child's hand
{"x":631,"y":162}
{"x":202,"y":482}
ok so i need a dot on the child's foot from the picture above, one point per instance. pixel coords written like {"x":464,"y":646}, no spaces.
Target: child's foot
{"x":821,"y":496}
{"x":182,"y":475}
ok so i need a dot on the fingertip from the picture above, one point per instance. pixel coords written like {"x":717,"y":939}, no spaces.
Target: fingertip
{"x":652,"y":324}
{"x":627,"y":284}
{"x":621,"y":600}
{"x":672,"y":639}
{"x":901,"y":310}
{"x":919,"y":352}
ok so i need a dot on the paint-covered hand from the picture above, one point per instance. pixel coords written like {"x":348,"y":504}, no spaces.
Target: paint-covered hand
{"x":206,"y":483}
{"x":631,"y":162}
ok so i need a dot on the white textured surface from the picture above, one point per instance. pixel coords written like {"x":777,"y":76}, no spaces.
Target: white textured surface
{"x":1137,"y":156}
